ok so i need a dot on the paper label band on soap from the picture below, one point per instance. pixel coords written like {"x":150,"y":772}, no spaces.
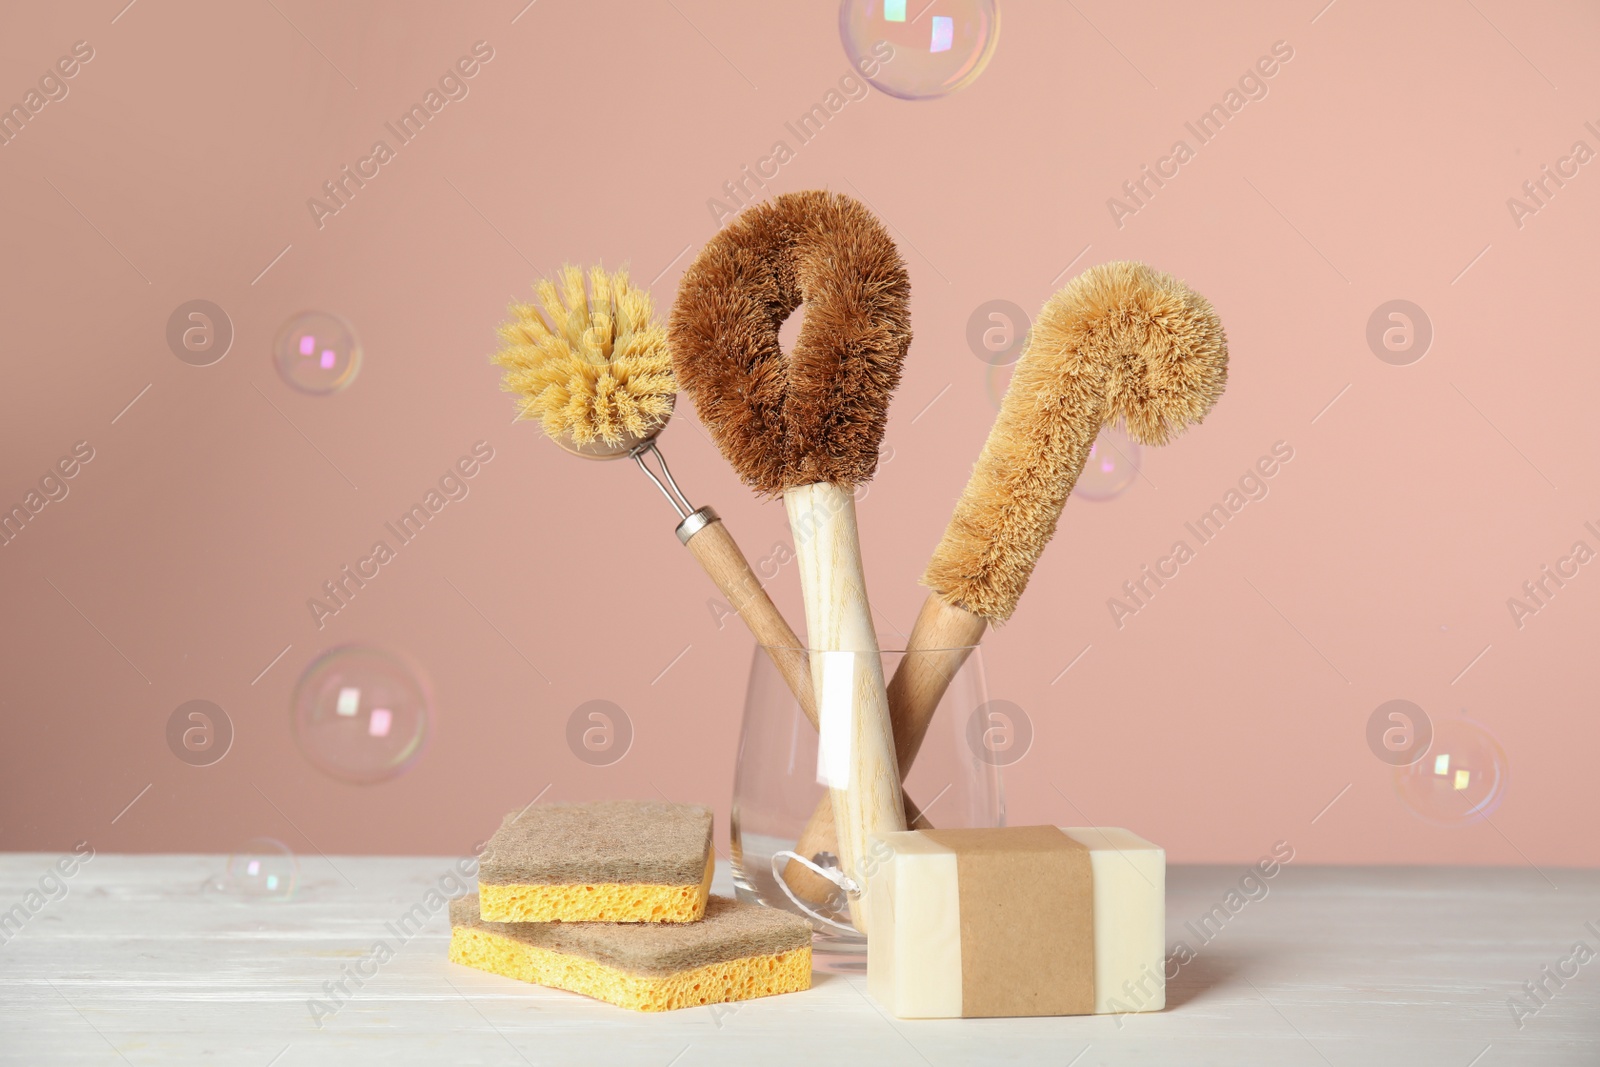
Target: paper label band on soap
{"x":1027,"y":921}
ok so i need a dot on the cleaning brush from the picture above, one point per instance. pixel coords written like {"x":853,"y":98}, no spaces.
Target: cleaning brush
{"x":594,"y":371}
{"x":1120,"y":344}
{"x":593,"y":368}
{"x":807,"y":426}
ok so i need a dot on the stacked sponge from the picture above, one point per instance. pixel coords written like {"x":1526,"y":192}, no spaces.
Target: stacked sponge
{"x":612,"y":900}
{"x":627,"y":861}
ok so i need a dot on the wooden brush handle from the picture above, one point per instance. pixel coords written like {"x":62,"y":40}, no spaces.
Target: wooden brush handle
{"x":856,"y":744}
{"x":940,"y":642}
{"x":714,"y":547}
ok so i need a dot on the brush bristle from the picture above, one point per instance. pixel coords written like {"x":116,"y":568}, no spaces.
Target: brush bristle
{"x":818,"y":414}
{"x":592,"y":366}
{"x":1121,"y":344}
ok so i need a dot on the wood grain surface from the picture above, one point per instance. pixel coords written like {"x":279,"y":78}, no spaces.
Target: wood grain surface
{"x":719,"y":555}
{"x":856,"y":746}
{"x":142,"y":964}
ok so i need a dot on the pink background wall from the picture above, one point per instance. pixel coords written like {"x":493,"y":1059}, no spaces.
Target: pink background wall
{"x":1221,"y":718}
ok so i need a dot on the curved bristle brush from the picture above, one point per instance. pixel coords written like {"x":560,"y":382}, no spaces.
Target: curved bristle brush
{"x":1119,"y":344}
{"x":594,"y":369}
{"x":807,"y":426}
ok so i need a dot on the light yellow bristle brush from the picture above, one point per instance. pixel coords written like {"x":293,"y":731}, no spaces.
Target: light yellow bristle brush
{"x":592,"y":366}
{"x":1119,"y":344}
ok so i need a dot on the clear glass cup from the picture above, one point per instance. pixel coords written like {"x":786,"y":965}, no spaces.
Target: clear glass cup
{"x":779,"y":784}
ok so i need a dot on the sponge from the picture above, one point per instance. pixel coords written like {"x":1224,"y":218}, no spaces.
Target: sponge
{"x":738,"y":952}
{"x":610,"y":861}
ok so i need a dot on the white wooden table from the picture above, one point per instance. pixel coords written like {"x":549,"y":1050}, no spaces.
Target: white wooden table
{"x":141,"y":964}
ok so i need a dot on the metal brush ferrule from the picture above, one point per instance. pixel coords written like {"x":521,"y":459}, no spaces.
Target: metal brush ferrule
{"x":697,"y":521}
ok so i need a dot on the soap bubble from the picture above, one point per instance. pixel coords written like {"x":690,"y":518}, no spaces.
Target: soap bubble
{"x":360,"y":715}
{"x":1462,"y":779}
{"x":261,"y":867}
{"x":317,"y":352}
{"x":1111,"y":467}
{"x":919,"y":49}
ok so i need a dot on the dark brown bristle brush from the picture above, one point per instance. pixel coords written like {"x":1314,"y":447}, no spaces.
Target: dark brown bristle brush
{"x":807,"y":426}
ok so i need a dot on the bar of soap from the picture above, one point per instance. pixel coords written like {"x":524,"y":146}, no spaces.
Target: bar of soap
{"x":738,"y":951}
{"x":1035,"y":920}
{"x":610,"y":861}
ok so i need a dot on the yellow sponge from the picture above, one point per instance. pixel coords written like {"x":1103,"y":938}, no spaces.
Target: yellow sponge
{"x":611,"y":861}
{"x":738,"y":952}
{"x":606,"y":902}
